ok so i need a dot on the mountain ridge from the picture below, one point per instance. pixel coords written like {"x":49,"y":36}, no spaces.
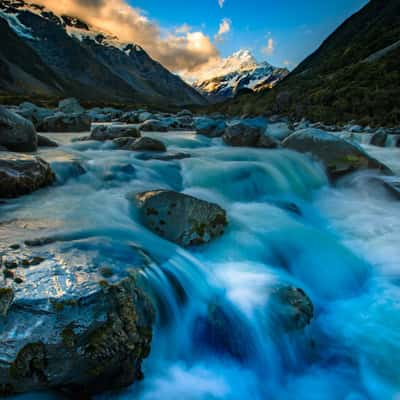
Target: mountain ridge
{"x":80,"y":60}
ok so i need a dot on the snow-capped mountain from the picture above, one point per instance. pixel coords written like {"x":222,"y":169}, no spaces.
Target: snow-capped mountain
{"x":237,"y":72}
{"x":51,"y":55}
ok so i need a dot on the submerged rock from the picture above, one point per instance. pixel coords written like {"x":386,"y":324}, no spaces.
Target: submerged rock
{"x":44,"y":141}
{"x":65,"y":326}
{"x":111,"y":132}
{"x":23,"y":174}
{"x":140,"y":144}
{"x":209,"y":127}
{"x":338,"y":155}
{"x":180,"y":218}
{"x":16,"y":132}
{"x":291,"y":308}
{"x":153,"y":125}
{"x":62,"y":122}
{"x":379,"y":138}
{"x":164,"y":157}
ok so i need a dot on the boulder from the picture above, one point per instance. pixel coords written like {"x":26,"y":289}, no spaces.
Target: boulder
{"x":290,"y":308}
{"x":61,"y":122}
{"x":242,"y":134}
{"x":153,"y":125}
{"x":16,"y":132}
{"x":111,"y":132}
{"x":278,"y":131}
{"x":34,"y":113}
{"x":338,"y":155}
{"x":379,"y":138}
{"x":144,"y":116}
{"x":163,"y":157}
{"x":44,"y":141}
{"x":267,"y":142}
{"x":180,"y":218}
{"x":209,"y":127}
{"x":70,"y":106}
{"x":23,"y":174}
{"x":68,"y":324}
{"x":141,"y":144}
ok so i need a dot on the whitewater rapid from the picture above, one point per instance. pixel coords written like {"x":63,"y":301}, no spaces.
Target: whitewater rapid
{"x":286,"y":226}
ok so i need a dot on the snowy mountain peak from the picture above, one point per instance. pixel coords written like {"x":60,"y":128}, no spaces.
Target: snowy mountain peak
{"x":236,"y":72}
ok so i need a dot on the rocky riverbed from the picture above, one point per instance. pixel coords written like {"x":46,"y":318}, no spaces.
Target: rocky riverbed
{"x":196,"y":257}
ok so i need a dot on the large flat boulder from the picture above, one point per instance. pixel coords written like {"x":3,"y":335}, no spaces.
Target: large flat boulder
{"x":68,"y":322}
{"x":62,"y":122}
{"x":22,"y":174}
{"x":16,"y":132}
{"x":180,"y":218}
{"x":33,"y":112}
{"x":111,"y":132}
{"x":338,"y":155}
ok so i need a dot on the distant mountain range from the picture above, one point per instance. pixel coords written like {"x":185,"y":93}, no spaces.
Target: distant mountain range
{"x":354,"y":75}
{"x":48,"y":55}
{"x":239,"y":72}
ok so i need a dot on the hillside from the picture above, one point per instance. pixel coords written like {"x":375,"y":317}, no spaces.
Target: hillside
{"x":58,"y":56}
{"x":354,"y":75}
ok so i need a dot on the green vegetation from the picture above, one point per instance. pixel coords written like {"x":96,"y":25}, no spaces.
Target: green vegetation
{"x":336,"y":84}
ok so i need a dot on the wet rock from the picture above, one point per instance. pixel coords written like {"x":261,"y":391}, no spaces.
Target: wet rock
{"x":111,"y":132}
{"x":153,"y":125}
{"x":242,"y":134}
{"x":223,"y":331}
{"x":180,"y":218}
{"x":62,"y":122}
{"x":44,"y":141}
{"x":379,"y":138}
{"x":34,"y":113}
{"x":164,"y":157}
{"x":23,"y":174}
{"x":144,"y":116}
{"x":68,"y":327}
{"x":338,"y":155}
{"x":70,"y":106}
{"x":267,"y":142}
{"x":278,"y":131}
{"x":141,"y":144}
{"x":6,"y":299}
{"x":291,"y":308}
{"x":16,"y":132}
{"x":209,"y":127}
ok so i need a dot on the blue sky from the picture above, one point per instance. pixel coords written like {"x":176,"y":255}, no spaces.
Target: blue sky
{"x":295,"y":27}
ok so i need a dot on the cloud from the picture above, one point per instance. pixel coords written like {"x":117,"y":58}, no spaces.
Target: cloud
{"x":179,"y":50}
{"x":224,"y":28}
{"x":269,"y":48}
{"x":221,"y":3}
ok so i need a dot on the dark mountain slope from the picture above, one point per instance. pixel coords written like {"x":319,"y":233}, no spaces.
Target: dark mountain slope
{"x":348,"y":77}
{"x":67,"y":57}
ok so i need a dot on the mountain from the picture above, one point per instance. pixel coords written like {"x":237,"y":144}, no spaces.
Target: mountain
{"x":43,"y":54}
{"x":237,"y":73}
{"x":354,"y":75}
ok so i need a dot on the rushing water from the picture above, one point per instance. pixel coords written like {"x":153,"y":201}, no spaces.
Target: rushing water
{"x":339,"y":244}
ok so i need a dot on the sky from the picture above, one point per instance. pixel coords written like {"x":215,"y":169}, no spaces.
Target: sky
{"x":191,"y":37}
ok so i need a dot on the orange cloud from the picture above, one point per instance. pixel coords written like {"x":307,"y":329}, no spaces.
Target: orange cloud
{"x":182,"y":50}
